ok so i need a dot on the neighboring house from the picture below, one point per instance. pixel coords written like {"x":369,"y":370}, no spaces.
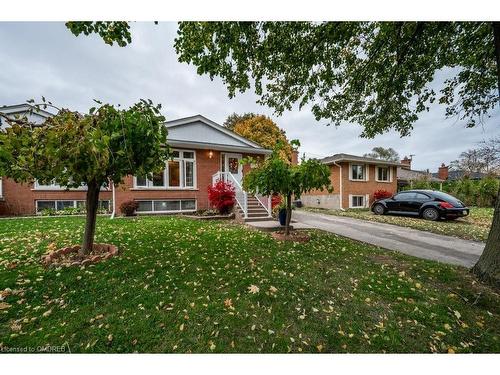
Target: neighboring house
{"x":407,"y":176}
{"x":203,"y":152}
{"x":354,"y":179}
{"x":445,"y":174}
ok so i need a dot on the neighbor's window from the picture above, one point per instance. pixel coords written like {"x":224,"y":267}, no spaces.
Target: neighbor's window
{"x":179,"y":173}
{"x":383,"y":174}
{"x":357,"y":201}
{"x":358,"y":172}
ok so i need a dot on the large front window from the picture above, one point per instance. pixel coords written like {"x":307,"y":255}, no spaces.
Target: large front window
{"x":54,"y":186}
{"x":180,"y":172}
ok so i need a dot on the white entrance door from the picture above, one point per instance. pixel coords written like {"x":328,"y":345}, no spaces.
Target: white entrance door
{"x":231,"y":163}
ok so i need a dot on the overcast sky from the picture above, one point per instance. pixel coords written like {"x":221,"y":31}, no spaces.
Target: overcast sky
{"x":46,"y":59}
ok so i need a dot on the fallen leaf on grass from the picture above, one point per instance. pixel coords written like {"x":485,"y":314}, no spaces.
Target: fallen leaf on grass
{"x":4,"y":305}
{"x":254,"y":289}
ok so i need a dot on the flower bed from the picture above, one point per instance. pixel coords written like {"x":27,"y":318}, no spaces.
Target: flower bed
{"x":209,"y":215}
{"x":294,"y":236}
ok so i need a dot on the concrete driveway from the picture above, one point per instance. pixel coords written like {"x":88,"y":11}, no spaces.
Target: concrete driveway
{"x":409,"y":241}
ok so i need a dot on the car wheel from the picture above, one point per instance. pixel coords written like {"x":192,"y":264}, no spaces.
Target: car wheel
{"x":378,"y":209}
{"x":430,"y":214}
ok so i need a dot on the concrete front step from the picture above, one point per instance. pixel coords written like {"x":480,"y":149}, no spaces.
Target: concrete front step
{"x":255,"y":213}
{"x":259,"y":218}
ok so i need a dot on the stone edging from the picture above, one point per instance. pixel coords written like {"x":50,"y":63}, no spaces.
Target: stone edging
{"x":52,"y":259}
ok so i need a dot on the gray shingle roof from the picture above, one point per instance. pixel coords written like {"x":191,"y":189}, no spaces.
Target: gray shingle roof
{"x":346,"y":157}
{"x":457,"y":175}
{"x":411,"y":175}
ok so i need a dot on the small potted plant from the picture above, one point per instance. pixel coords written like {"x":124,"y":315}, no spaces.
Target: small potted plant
{"x":128,"y":208}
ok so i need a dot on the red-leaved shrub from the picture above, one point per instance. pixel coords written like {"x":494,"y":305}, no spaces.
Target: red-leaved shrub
{"x":381,"y":194}
{"x":275,"y":200}
{"x":221,"y":196}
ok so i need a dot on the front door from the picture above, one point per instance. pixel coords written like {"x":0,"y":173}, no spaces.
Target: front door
{"x":231,"y":163}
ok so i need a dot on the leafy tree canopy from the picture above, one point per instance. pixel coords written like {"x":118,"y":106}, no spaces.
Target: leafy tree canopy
{"x":264,"y":131}
{"x":377,"y":74}
{"x":234,"y":118}
{"x":73,"y":149}
{"x":383,"y":153}
{"x":110,"y":31}
{"x":276,"y":176}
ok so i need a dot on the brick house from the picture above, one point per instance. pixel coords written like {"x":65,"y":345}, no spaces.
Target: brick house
{"x":203,"y":152}
{"x":354,"y":179}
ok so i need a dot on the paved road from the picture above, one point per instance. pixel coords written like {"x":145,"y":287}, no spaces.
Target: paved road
{"x":409,"y":241}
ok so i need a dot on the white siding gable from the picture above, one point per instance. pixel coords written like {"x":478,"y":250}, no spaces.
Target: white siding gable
{"x":35,"y":117}
{"x":200,"y":132}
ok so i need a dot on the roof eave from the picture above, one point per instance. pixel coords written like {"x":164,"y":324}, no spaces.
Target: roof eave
{"x":217,"y":147}
{"x":368,"y":161}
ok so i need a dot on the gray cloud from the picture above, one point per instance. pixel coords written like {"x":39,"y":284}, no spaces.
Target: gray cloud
{"x":46,"y":59}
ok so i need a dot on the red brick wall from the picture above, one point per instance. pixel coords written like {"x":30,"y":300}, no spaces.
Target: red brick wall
{"x":356,"y":187}
{"x":335,"y":180}
{"x":20,"y":199}
{"x":17,"y":198}
{"x":365,"y":187}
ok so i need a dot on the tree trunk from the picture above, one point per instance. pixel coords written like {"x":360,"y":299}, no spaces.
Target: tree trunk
{"x":288,"y":214}
{"x":91,"y":204}
{"x":496,"y":39}
{"x":487,"y":267}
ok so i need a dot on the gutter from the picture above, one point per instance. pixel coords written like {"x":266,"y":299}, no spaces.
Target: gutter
{"x":341,"y":201}
{"x":114,"y":204}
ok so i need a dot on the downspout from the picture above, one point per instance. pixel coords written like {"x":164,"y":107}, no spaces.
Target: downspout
{"x":114,"y":204}
{"x":341,"y":201}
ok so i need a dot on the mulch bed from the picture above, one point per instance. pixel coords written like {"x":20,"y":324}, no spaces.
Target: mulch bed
{"x":294,"y":236}
{"x":211,"y":217}
{"x":68,"y":256}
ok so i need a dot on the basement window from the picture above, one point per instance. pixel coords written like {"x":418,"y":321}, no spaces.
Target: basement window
{"x":357,"y":201}
{"x":167,"y":206}
{"x":59,"y":205}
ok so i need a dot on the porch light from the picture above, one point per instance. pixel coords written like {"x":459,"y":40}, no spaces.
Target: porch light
{"x":210,"y":154}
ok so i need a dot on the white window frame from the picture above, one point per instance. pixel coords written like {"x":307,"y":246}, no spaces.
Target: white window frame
{"x":153,"y":211}
{"x":1,"y":188}
{"x":365,"y":172}
{"x":389,"y":173}
{"x":54,"y":186}
{"x":365,"y":197}
{"x":182,"y":174}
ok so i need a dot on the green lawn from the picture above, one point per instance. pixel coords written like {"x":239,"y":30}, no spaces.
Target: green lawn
{"x":183,"y":285}
{"x":476,"y":226}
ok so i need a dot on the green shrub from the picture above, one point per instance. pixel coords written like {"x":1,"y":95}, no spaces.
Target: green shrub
{"x":488,"y":189}
{"x":480,"y":193}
